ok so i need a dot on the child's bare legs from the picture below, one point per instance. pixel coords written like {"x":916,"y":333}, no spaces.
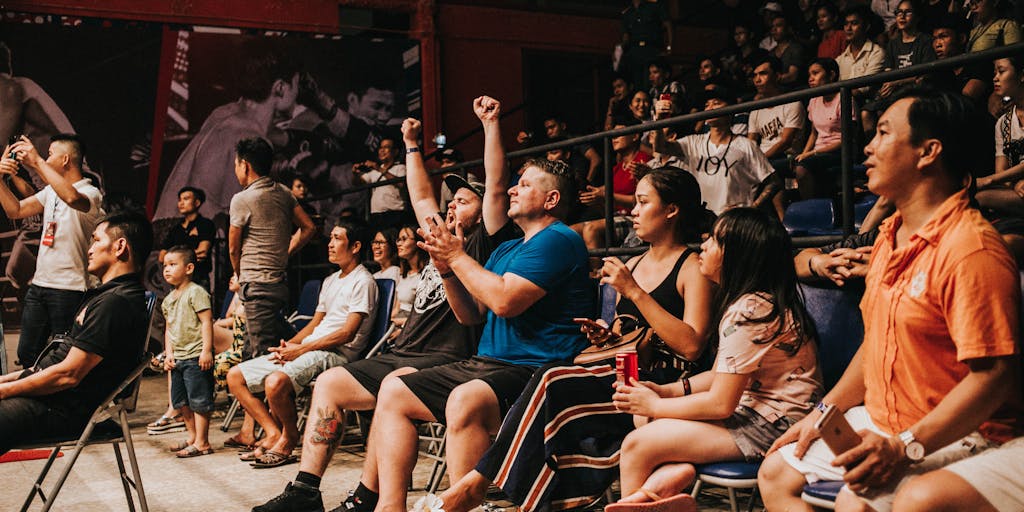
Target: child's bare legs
{"x":190,"y":423}
{"x":201,"y":426}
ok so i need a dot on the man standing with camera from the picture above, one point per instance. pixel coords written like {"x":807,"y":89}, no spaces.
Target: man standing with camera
{"x":71,"y":208}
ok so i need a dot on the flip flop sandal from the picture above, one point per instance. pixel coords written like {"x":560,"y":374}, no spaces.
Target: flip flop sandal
{"x":177,"y":447}
{"x":272,"y":459}
{"x":251,"y":456}
{"x":164,"y":421}
{"x":677,"y":503}
{"x":233,"y":442}
{"x":192,"y":451}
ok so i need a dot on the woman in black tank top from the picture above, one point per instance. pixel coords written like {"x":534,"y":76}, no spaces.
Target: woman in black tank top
{"x":566,"y":413}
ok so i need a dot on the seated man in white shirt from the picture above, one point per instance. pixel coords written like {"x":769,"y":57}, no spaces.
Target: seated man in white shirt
{"x":337,"y":334}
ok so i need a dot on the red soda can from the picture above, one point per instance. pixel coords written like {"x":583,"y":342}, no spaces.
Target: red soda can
{"x":626,"y":367}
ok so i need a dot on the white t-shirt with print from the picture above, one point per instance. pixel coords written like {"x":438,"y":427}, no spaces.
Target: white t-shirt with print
{"x":63,"y":265}
{"x":728,"y":174}
{"x":341,"y":296}
{"x":387,"y":198}
{"x":769,"y":122}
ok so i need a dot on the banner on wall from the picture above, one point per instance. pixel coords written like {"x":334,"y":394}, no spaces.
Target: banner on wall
{"x":324,"y":104}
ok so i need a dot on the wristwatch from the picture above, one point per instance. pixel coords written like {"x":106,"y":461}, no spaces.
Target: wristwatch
{"x":411,"y":150}
{"x":914,"y":450}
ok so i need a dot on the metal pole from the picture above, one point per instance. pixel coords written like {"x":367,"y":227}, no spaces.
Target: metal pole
{"x":609,"y":196}
{"x":846,"y":116}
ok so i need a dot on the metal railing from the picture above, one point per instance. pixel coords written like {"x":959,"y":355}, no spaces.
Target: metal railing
{"x":844,"y":88}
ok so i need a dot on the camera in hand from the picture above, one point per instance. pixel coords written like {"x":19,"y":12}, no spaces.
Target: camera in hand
{"x":10,"y":142}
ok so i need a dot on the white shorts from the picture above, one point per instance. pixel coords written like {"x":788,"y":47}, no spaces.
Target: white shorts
{"x":996,"y":474}
{"x":817,"y":462}
{"x":301,"y":370}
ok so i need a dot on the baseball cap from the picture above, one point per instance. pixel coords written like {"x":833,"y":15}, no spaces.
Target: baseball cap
{"x":771,"y":6}
{"x":455,"y":182}
{"x":449,"y":154}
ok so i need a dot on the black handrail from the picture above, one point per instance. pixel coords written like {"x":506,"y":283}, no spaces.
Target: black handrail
{"x":843,"y":87}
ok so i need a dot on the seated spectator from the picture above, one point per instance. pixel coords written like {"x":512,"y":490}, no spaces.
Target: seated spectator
{"x":777,"y":129}
{"x":989,"y":27}
{"x":337,"y":334}
{"x":555,"y":129}
{"x":949,"y":39}
{"x":943,"y":288}
{"x":568,"y":155}
{"x":730,"y":168}
{"x":387,"y":206}
{"x":640,"y":106}
{"x":738,"y":62}
{"x":833,"y":38}
{"x":56,"y":396}
{"x":384,"y":249}
{"x":432,"y":335}
{"x":789,"y":52}
{"x":764,"y":379}
{"x":195,"y":231}
{"x":821,"y":152}
{"x":627,"y":154}
{"x":664,"y":88}
{"x":845,"y":261}
{"x":678,"y":305}
{"x":618,"y":104}
{"x":862,"y":56}
{"x":1001,"y":192}
{"x":411,"y":260}
{"x":768,"y":13}
{"x":527,"y":294}
{"x":907,"y":47}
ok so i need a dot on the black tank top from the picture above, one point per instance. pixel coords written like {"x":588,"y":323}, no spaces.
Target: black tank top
{"x":665,"y":294}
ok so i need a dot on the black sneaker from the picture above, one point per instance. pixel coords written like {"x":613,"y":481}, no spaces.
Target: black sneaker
{"x":354,"y":504}
{"x":295,"y":498}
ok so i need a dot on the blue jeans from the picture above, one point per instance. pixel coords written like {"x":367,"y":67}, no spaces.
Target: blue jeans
{"x":46,"y":311}
{"x":191,"y":386}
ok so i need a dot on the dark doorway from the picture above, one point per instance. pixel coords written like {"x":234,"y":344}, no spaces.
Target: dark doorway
{"x":575,"y":86}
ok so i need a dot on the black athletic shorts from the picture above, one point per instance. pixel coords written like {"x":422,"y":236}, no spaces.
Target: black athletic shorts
{"x":371,"y":372}
{"x":433,"y":385}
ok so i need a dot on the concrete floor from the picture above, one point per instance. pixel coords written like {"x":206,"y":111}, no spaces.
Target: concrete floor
{"x":213,"y":482}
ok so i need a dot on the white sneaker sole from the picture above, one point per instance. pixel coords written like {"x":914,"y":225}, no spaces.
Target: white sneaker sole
{"x":168,"y":430}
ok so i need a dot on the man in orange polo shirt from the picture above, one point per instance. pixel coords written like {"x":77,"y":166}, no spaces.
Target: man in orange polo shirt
{"x":941,"y":321}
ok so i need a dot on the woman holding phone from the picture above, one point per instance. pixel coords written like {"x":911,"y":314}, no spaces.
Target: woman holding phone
{"x":765,"y":376}
{"x":558,"y":445}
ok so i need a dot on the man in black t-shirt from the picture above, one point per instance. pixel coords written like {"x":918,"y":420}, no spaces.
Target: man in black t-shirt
{"x":56,"y":396}
{"x":193,"y":231}
{"x":432,"y":336}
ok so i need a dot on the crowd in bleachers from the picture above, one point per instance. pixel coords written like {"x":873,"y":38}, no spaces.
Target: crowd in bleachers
{"x":476,"y":307}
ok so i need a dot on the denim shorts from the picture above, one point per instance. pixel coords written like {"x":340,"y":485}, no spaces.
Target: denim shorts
{"x":191,"y":386}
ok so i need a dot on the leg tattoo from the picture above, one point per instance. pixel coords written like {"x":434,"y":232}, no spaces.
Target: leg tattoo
{"x":328,"y":427}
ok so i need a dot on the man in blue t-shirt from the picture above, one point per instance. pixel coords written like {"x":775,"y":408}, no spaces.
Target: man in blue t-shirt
{"x":526,"y":295}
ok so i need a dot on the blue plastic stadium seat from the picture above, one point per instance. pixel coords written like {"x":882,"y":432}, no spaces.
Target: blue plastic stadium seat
{"x":822,"y":494}
{"x":732,"y":470}
{"x":811,"y":217}
{"x":861,"y":209}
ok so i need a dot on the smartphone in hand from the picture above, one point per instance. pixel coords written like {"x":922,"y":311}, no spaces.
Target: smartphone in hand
{"x":601,"y":331}
{"x":835,"y":431}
